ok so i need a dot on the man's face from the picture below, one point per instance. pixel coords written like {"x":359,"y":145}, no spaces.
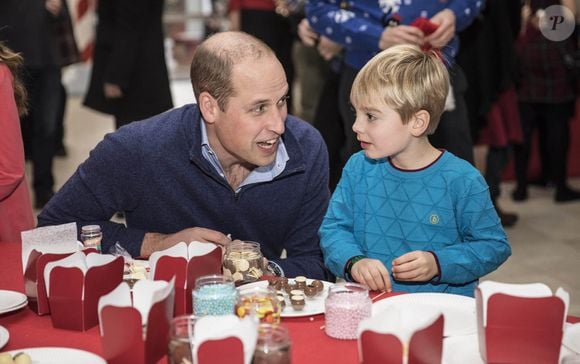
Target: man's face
{"x":249,"y":130}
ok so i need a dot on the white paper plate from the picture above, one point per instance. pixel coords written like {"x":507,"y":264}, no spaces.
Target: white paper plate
{"x":314,"y":305}
{"x":459,"y":311}
{"x":465,"y":349}
{"x":15,"y":308}
{"x":571,"y":339}
{"x":461,"y":349}
{"x":4,"y":336}
{"x":11,"y":300}
{"x":60,"y":356}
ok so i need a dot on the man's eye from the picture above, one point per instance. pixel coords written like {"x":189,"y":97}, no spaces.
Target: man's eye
{"x":283,"y":101}
{"x":259,"y":109}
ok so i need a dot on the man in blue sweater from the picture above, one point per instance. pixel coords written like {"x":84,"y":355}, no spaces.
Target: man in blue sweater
{"x":234,"y":163}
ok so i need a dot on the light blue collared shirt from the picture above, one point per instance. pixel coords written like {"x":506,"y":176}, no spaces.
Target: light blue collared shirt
{"x":259,"y":174}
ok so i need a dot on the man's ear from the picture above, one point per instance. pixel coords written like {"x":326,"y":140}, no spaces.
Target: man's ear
{"x":208,"y":106}
{"x":420,"y":122}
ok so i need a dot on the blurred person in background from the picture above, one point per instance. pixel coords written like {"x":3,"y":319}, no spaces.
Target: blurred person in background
{"x":269,"y":21}
{"x":31,"y":28}
{"x":488,"y":57}
{"x":129,"y":78}
{"x":547,"y":93}
{"x":326,"y":114}
{"x":15,"y":208}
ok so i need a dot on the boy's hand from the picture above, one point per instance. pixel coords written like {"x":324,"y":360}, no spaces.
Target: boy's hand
{"x":372,"y":273}
{"x":417,"y":266}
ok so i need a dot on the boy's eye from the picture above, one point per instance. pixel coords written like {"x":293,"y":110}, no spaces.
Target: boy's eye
{"x":371,"y":117}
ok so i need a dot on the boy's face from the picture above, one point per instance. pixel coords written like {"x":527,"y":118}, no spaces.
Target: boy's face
{"x":380,"y":130}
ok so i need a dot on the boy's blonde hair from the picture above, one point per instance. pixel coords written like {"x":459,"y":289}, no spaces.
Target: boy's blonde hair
{"x":407,"y":79}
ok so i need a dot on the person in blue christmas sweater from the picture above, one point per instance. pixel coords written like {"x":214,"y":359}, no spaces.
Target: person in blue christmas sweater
{"x":407,"y":216}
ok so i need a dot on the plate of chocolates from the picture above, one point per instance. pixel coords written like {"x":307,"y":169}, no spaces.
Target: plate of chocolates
{"x":298,"y":297}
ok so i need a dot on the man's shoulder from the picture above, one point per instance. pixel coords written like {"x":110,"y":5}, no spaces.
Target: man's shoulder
{"x":304,"y":145}
{"x":301,"y":129}
{"x":301,"y":135}
{"x":167,"y":123}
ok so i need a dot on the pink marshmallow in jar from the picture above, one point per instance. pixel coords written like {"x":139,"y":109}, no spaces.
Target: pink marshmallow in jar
{"x":346,"y":306}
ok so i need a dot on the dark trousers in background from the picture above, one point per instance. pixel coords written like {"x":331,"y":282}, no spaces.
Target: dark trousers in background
{"x":552,"y":123}
{"x":274,"y":30}
{"x":44,"y":94}
{"x":496,"y":160}
{"x":331,"y":126}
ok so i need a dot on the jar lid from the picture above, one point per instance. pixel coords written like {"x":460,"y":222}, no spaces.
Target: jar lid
{"x":350,"y":288}
{"x":214,"y":279}
{"x":91,"y":229}
{"x":243,"y":245}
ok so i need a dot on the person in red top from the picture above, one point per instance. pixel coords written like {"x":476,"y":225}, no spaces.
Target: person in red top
{"x":15,"y":207}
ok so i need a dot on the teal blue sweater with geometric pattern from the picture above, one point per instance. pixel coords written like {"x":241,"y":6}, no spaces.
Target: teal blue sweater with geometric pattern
{"x":382,"y":212}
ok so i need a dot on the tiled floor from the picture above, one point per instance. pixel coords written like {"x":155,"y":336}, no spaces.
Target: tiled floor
{"x":545,"y":242}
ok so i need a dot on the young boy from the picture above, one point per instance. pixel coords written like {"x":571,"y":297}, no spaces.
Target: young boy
{"x":404,"y":209}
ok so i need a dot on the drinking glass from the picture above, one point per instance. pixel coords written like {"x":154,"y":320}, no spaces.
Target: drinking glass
{"x":273,"y":345}
{"x":180,"y":348}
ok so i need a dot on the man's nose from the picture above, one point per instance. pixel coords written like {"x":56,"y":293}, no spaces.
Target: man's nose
{"x":277,"y":121}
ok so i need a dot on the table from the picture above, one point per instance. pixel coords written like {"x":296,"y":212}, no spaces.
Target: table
{"x":309,"y":343}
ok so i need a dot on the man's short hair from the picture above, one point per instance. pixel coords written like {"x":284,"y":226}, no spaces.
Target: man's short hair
{"x":213,"y":61}
{"x":407,"y":80}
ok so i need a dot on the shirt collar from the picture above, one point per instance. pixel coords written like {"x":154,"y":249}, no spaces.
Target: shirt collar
{"x":259,"y":174}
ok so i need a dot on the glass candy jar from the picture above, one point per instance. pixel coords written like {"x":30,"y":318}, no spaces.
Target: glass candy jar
{"x":243,"y":261}
{"x":214,"y":295}
{"x":346,"y":306}
{"x":91,"y":236}
{"x":260,"y":302}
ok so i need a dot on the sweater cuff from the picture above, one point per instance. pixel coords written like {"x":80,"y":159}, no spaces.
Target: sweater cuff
{"x":275,"y":269}
{"x":437,"y":277}
{"x":348,"y":267}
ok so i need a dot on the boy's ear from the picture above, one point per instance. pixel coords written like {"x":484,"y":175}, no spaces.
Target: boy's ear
{"x":208,"y":107}
{"x":420,"y":122}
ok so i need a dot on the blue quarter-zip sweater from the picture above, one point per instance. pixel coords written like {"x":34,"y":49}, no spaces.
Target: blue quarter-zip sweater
{"x":154,"y":171}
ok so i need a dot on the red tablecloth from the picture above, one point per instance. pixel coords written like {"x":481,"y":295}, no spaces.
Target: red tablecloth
{"x":309,"y":343}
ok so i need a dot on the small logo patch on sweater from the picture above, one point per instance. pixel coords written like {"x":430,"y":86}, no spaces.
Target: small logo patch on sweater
{"x":434,"y":219}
